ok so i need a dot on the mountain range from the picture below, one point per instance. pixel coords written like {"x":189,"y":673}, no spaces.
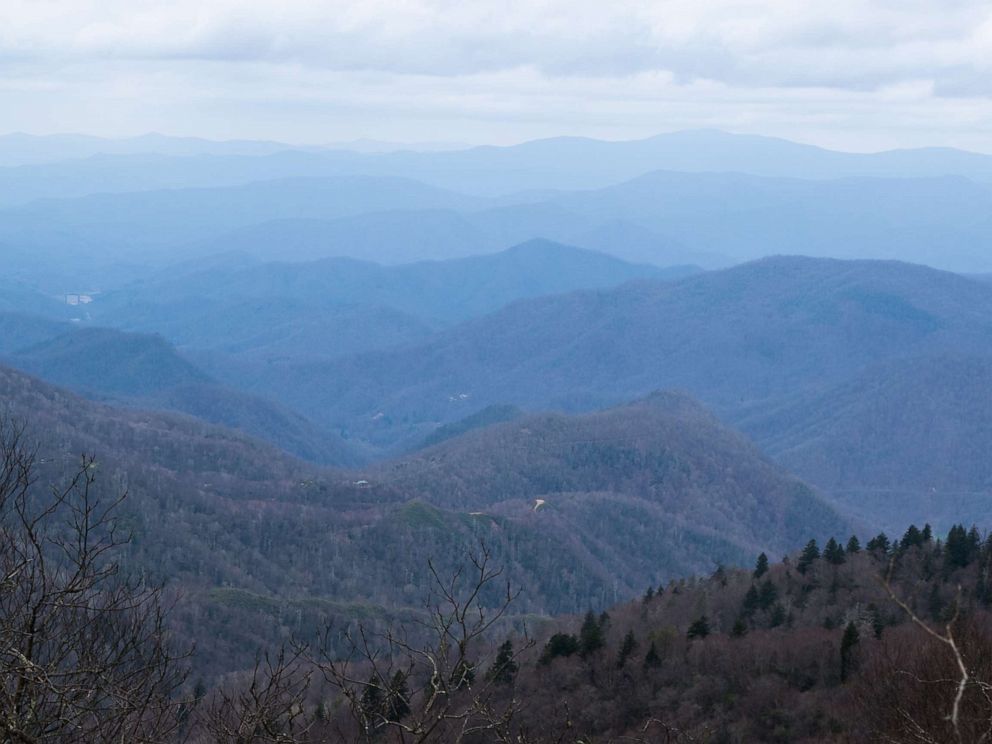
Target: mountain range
{"x":581,"y":508}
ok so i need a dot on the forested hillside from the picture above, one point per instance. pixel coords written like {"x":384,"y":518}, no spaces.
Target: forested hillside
{"x":579,"y":509}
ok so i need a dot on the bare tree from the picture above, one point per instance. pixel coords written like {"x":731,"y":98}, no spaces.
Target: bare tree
{"x":84,"y":651}
{"x":434,"y":689}
{"x":930,"y":684}
{"x":270,"y":709}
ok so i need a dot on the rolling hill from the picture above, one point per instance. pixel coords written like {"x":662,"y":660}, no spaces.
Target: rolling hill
{"x":339,"y":306}
{"x":108,"y":362}
{"x":664,"y":457}
{"x":905,"y":436}
{"x":262,"y":544}
{"x":146,"y":371}
{"x":760,"y":343}
{"x":732,"y":337}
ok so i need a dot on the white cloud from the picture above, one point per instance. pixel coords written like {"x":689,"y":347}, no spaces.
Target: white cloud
{"x":508,"y":70}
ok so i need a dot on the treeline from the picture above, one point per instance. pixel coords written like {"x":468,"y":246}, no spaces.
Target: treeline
{"x":844,"y":643}
{"x":887,"y":642}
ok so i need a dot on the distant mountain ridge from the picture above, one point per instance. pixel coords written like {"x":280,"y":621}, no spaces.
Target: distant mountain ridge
{"x":340,"y":306}
{"x":748,"y":341}
{"x":146,"y":371}
{"x":554,"y":163}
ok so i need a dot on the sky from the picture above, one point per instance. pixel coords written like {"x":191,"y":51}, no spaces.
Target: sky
{"x":849,"y":75}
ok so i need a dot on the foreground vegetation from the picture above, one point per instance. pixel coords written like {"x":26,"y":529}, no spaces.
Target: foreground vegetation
{"x":889,"y":641}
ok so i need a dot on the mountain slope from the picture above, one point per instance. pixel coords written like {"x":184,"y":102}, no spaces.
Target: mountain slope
{"x":937,"y":221}
{"x":664,"y":455}
{"x":109,"y":362}
{"x":732,"y":338}
{"x":251,"y":530}
{"x":911,"y":435}
{"x":338,"y":306}
{"x":146,"y":371}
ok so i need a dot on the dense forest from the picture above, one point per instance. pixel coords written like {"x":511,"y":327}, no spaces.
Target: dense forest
{"x":840,"y":642}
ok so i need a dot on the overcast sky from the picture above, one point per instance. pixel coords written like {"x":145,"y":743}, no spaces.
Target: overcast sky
{"x":852,"y":75}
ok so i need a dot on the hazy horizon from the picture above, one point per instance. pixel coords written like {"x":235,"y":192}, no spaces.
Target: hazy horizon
{"x":851,"y":76}
{"x":370,"y":145}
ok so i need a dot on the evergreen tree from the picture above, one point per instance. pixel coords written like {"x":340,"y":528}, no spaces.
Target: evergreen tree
{"x":912,"y":538}
{"x":935,"y":604}
{"x":651,"y":658}
{"x":767,"y":595}
{"x":740,"y":628}
{"x":371,"y":702}
{"x":627,"y":648}
{"x":720,"y":574}
{"x":649,"y":594}
{"x":927,"y":532}
{"x":590,"y":635}
{"x":463,"y":675}
{"x":560,"y":644}
{"x":850,"y":639}
{"x":877,"y":623}
{"x":974,"y":544}
{"x":504,"y":669}
{"x":956,"y":549}
{"x":778,"y":616}
{"x":700,"y":628}
{"x":761,"y":566}
{"x":833,"y":552}
{"x":398,"y":702}
{"x":879,"y":544}
{"x":853,"y":545}
{"x":751,"y":601}
{"x":810,"y":554}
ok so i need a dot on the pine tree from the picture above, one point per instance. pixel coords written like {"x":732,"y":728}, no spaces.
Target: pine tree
{"x":879,"y":544}
{"x":560,"y":644}
{"x":833,"y":552}
{"x":912,"y":538}
{"x":590,"y":635}
{"x":974,"y":544}
{"x":649,"y":594}
{"x":371,"y":702}
{"x":627,"y":648}
{"x":504,"y":669}
{"x":767,"y":595}
{"x":761,"y":566}
{"x":927,"y":532}
{"x":810,"y":554}
{"x":700,"y":628}
{"x":850,"y":639}
{"x":398,"y":702}
{"x":751,"y":601}
{"x":463,"y":675}
{"x":651,"y":658}
{"x":877,"y":622}
{"x":778,"y":616}
{"x":740,"y":628}
{"x":935,"y":604}
{"x":853,"y":545}
{"x":956,"y":549}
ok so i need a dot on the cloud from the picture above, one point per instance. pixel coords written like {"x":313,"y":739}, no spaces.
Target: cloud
{"x":512,"y":60}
